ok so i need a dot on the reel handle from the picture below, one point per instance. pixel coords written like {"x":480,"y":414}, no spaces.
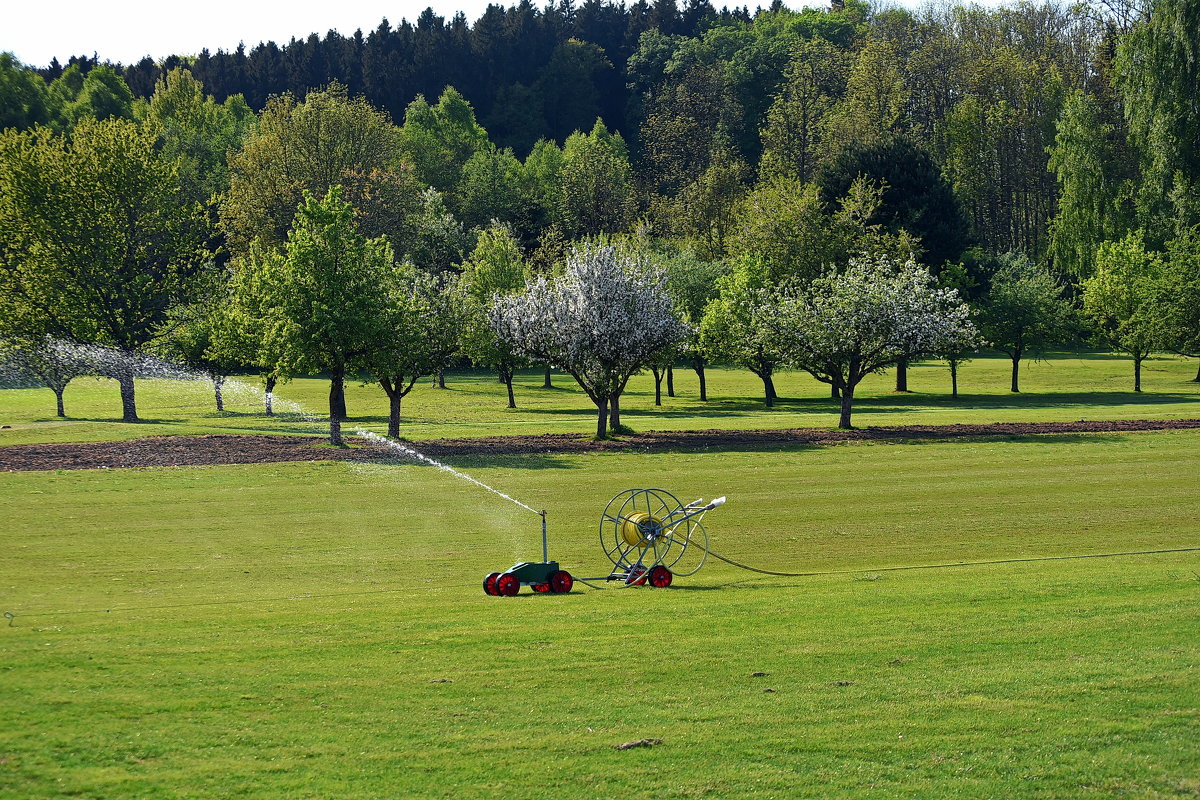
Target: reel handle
{"x":720,"y":501}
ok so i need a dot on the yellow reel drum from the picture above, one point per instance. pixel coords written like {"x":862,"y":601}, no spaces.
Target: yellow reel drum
{"x":644,"y":528}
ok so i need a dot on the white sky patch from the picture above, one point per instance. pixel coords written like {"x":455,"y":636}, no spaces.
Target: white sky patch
{"x":127,"y":30}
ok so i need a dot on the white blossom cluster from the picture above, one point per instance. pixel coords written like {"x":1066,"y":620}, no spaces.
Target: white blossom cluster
{"x":602,"y":320}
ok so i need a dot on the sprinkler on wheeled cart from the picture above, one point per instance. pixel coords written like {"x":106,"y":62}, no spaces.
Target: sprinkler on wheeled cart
{"x":647,"y":534}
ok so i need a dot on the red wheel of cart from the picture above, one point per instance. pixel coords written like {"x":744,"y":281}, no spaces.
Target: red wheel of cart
{"x":489,"y":584}
{"x":637,"y":575}
{"x":561,"y":582}
{"x":507,"y":585}
{"x":540,"y":588}
{"x":660,"y":577}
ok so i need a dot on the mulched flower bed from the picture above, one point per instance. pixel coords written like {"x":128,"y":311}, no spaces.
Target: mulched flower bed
{"x":177,"y":451}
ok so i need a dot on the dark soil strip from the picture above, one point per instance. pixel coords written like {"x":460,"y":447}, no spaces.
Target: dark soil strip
{"x":172,"y":451}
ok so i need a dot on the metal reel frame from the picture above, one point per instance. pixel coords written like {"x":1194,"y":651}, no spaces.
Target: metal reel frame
{"x":644,"y":528}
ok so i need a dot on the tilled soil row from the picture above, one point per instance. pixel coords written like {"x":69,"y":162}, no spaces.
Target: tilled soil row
{"x":178,"y":451}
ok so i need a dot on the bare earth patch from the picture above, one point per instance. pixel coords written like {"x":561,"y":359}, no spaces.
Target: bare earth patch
{"x":173,"y":451}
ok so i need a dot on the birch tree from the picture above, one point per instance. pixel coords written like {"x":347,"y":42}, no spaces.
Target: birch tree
{"x":601,"y":321}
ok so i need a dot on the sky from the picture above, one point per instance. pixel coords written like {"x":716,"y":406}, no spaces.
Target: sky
{"x":126,"y":30}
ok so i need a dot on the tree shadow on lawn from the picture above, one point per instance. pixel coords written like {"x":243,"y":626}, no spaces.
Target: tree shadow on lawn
{"x":982,"y":402}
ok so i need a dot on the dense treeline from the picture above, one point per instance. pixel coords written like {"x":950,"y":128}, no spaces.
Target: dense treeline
{"x":1037,"y":160}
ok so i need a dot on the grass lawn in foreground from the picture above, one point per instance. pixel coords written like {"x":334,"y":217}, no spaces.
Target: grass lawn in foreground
{"x":318,"y":630}
{"x":1065,"y":387}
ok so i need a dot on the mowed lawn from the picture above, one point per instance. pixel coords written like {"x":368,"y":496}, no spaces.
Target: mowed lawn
{"x":1065,"y":387}
{"x":318,"y":630}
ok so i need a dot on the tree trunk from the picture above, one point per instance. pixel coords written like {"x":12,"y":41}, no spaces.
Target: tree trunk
{"x":1197,"y":378}
{"x":614,"y":413}
{"x":954,"y":379}
{"x":602,"y":418}
{"x":269,"y":396}
{"x":441,"y":379}
{"x":658,"y":376}
{"x":337,"y":405}
{"x":337,"y":393}
{"x":703,"y":382}
{"x":834,"y":392}
{"x":58,"y":393}
{"x":394,"y":399}
{"x":847,"y":407}
{"x":547,"y":384}
{"x":670,"y":381}
{"x":1137,"y":373}
{"x":128,"y":401}
{"x":1016,"y":361}
{"x":768,"y":389}
{"x":507,"y":376}
{"x":218,"y":382}
{"x":902,"y":375}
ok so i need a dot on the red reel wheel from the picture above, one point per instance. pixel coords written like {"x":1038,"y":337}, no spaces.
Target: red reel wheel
{"x":637,"y":575}
{"x":489,"y":584}
{"x":561,"y":582}
{"x":660,"y":577}
{"x":507,"y":585}
{"x":540,"y":588}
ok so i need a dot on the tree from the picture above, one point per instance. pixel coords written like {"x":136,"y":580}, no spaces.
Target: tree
{"x":597,"y":193}
{"x":601,"y":321}
{"x":1158,"y":70}
{"x":23,"y":101}
{"x":421,"y":324}
{"x":1093,"y":187}
{"x":693,"y":284}
{"x":52,"y":362}
{"x":731,"y":327}
{"x":190,"y":337}
{"x":494,"y":268}
{"x":491,"y":188}
{"x":196,"y":131}
{"x":794,"y":138}
{"x":327,"y":140}
{"x":847,"y":325}
{"x":440,"y":139}
{"x":322,"y":297}
{"x":1177,"y":297}
{"x":96,"y":248}
{"x":1119,"y":299}
{"x":915,"y":197}
{"x":1023,"y":311}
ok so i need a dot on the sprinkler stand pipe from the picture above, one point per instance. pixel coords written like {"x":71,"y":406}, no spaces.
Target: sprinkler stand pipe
{"x":545,"y":548}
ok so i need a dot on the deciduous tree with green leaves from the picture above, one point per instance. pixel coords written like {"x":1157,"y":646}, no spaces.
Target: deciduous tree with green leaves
{"x":322,"y":297}
{"x":1119,"y":299}
{"x":96,"y":246}
{"x":731,"y":328}
{"x":495,"y":267}
{"x":1023,"y":311}
{"x":421,"y":322}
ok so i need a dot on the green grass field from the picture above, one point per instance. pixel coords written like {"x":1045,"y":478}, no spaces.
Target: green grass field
{"x":318,"y":630}
{"x":1064,"y":387}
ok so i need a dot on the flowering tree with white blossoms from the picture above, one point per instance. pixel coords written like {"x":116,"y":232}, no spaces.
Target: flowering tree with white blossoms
{"x":844,"y":326}
{"x":602,"y":320}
